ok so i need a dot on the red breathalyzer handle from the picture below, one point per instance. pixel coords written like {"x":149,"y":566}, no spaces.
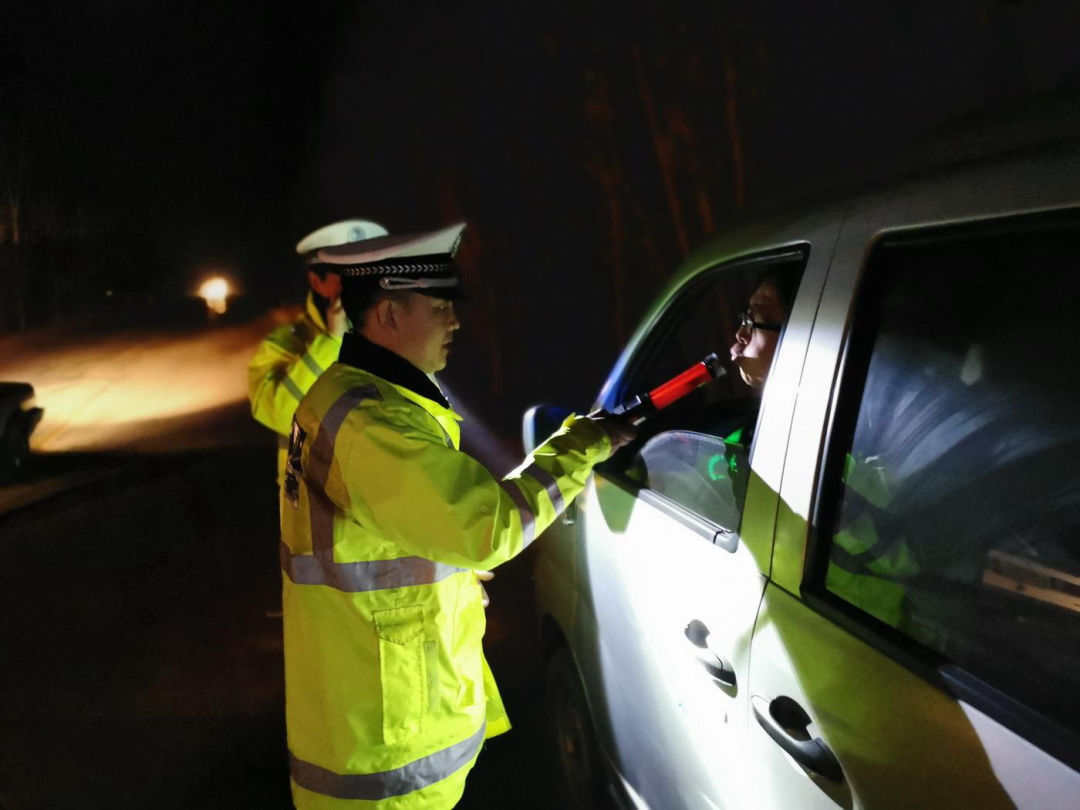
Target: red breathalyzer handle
{"x":645,"y":405}
{"x":678,"y":387}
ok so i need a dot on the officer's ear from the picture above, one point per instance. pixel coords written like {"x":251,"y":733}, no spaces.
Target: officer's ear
{"x":383,"y":311}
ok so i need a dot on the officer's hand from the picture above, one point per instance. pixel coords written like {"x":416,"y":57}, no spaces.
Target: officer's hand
{"x":484,"y":576}
{"x":618,"y":430}
{"x":337,"y":323}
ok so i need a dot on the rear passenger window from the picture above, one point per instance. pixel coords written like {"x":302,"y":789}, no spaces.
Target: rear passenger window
{"x":695,"y":454}
{"x":955,"y":471}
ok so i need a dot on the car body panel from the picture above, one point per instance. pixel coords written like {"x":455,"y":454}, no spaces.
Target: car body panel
{"x":623,"y":578}
{"x":661,"y":703}
{"x":900,"y":743}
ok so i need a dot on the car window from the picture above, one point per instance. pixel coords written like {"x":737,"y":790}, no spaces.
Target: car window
{"x":696,"y":452}
{"x":704,"y":473}
{"x":956,"y":467}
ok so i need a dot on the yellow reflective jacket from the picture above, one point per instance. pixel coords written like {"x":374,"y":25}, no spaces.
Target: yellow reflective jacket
{"x":384,"y":520}
{"x":284,"y":367}
{"x":866,"y":569}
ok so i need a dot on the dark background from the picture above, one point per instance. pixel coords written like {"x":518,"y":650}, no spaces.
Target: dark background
{"x":590,"y":145}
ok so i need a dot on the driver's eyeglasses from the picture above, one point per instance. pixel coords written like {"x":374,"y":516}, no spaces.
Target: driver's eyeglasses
{"x":747,"y":322}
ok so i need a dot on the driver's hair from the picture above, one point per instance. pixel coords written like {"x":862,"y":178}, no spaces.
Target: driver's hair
{"x":786,"y":284}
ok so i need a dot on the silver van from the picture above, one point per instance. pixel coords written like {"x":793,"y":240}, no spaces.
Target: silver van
{"x":859,"y":585}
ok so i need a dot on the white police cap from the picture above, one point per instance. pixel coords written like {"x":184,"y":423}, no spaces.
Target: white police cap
{"x":340,"y":233}
{"x":423,"y":262}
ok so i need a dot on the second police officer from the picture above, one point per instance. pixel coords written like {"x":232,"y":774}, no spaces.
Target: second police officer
{"x":291,"y":357}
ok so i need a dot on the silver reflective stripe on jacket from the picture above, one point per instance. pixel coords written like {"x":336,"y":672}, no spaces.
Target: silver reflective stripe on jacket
{"x":318,"y":470}
{"x":320,"y":568}
{"x":419,"y":773}
{"x":372,"y":575}
{"x":528,"y":519}
{"x":322,"y":451}
{"x":309,"y":361}
{"x":547,"y":481}
{"x":292,"y":388}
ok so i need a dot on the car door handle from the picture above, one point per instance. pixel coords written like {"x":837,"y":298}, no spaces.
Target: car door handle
{"x":697,"y":633}
{"x":786,"y":722}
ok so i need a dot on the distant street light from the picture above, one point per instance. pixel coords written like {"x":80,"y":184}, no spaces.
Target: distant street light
{"x":215,"y":290}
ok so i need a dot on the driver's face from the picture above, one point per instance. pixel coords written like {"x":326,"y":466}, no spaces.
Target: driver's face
{"x":753,"y":349}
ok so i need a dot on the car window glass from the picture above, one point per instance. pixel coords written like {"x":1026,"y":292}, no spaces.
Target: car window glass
{"x":959,"y":474}
{"x":697,"y":470}
{"x":696,"y":452}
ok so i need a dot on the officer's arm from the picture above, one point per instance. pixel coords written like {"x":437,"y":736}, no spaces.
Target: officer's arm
{"x":282,"y":371}
{"x":442,"y":504}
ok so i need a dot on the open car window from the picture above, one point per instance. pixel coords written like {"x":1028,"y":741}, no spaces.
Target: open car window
{"x":695,"y":453}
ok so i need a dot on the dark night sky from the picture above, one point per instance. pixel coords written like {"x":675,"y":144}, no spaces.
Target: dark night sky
{"x":175,"y":126}
{"x":218,"y":133}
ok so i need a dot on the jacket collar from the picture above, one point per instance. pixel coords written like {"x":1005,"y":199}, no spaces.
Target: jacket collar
{"x":359,"y":352}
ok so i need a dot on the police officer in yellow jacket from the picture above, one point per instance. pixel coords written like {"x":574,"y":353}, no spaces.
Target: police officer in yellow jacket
{"x":384,"y":524}
{"x":291,"y":357}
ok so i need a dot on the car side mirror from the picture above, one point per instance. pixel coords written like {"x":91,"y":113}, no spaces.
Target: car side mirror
{"x":539,"y":422}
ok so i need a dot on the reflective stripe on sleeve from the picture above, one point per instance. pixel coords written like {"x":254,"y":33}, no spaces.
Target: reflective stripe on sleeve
{"x":547,"y":481}
{"x":322,"y":451}
{"x":371,"y":575}
{"x":528,"y":519}
{"x":419,"y":773}
{"x":321,"y":512}
{"x":318,"y":470}
{"x":309,"y":361}
{"x":292,"y":388}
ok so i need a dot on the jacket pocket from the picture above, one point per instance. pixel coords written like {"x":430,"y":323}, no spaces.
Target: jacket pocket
{"x":402,"y":671}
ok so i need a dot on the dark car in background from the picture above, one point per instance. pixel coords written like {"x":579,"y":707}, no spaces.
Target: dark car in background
{"x":19,"y":415}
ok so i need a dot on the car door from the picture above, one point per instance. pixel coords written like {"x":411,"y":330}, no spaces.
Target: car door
{"x":918,"y":641}
{"x":669,"y":581}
